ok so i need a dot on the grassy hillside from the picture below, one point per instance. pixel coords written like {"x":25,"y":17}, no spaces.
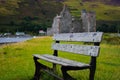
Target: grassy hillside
{"x":29,"y":16}
{"x":32,"y":15}
{"x":103,"y":11}
{"x":16,"y":60}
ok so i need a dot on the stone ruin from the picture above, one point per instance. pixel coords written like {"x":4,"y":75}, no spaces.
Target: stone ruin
{"x":88,"y":21}
{"x":66,"y":23}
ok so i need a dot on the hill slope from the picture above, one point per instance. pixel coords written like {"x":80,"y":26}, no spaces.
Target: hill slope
{"x":103,"y":10}
{"x":33,"y":15}
{"x":109,"y":2}
{"x":27,"y":15}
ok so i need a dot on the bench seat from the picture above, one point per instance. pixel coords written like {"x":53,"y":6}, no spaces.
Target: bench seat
{"x":61,"y":61}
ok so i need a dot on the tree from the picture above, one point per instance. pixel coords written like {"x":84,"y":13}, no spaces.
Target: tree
{"x":118,"y":28}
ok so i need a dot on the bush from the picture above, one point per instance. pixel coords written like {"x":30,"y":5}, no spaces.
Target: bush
{"x":111,"y":39}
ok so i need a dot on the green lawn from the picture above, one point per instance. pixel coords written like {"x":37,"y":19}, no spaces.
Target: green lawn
{"x":16,"y":60}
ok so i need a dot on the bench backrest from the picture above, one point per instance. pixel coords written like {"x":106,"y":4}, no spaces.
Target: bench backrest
{"x":91,"y":50}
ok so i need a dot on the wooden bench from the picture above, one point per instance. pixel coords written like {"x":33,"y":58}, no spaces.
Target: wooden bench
{"x":67,"y":64}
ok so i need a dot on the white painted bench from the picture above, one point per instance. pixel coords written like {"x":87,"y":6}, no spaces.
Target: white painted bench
{"x":66,"y":64}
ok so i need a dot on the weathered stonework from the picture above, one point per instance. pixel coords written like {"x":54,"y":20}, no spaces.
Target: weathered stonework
{"x":65,"y":21}
{"x":76,"y":26}
{"x":49,"y":31}
{"x":88,"y":21}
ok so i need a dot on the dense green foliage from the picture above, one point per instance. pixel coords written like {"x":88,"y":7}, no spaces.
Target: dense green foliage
{"x":108,"y":26}
{"x":16,"y":60}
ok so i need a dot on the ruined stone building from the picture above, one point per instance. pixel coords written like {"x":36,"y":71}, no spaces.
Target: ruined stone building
{"x":66,"y":23}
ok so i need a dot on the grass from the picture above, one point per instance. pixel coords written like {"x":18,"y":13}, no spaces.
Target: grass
{"x":104,"y":12}
{"x":16,"y":60}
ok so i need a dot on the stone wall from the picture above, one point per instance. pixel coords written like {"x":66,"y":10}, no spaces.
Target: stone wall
{"x":76,"y":26}
{"x":88,"y":21}
{"x":65,"y":20}
{"x":49,"y":31}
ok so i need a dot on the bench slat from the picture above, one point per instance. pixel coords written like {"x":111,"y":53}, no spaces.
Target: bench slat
{"x":79,"y":49}
{"x":85,"y":37}
{"x":61,"y":61}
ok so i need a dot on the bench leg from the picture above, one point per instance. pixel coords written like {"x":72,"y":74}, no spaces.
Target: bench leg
{"x":92,"y":68}
{"x":37,"y":70}
{"x":92,"y":74}
{"x":66,"y":76}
